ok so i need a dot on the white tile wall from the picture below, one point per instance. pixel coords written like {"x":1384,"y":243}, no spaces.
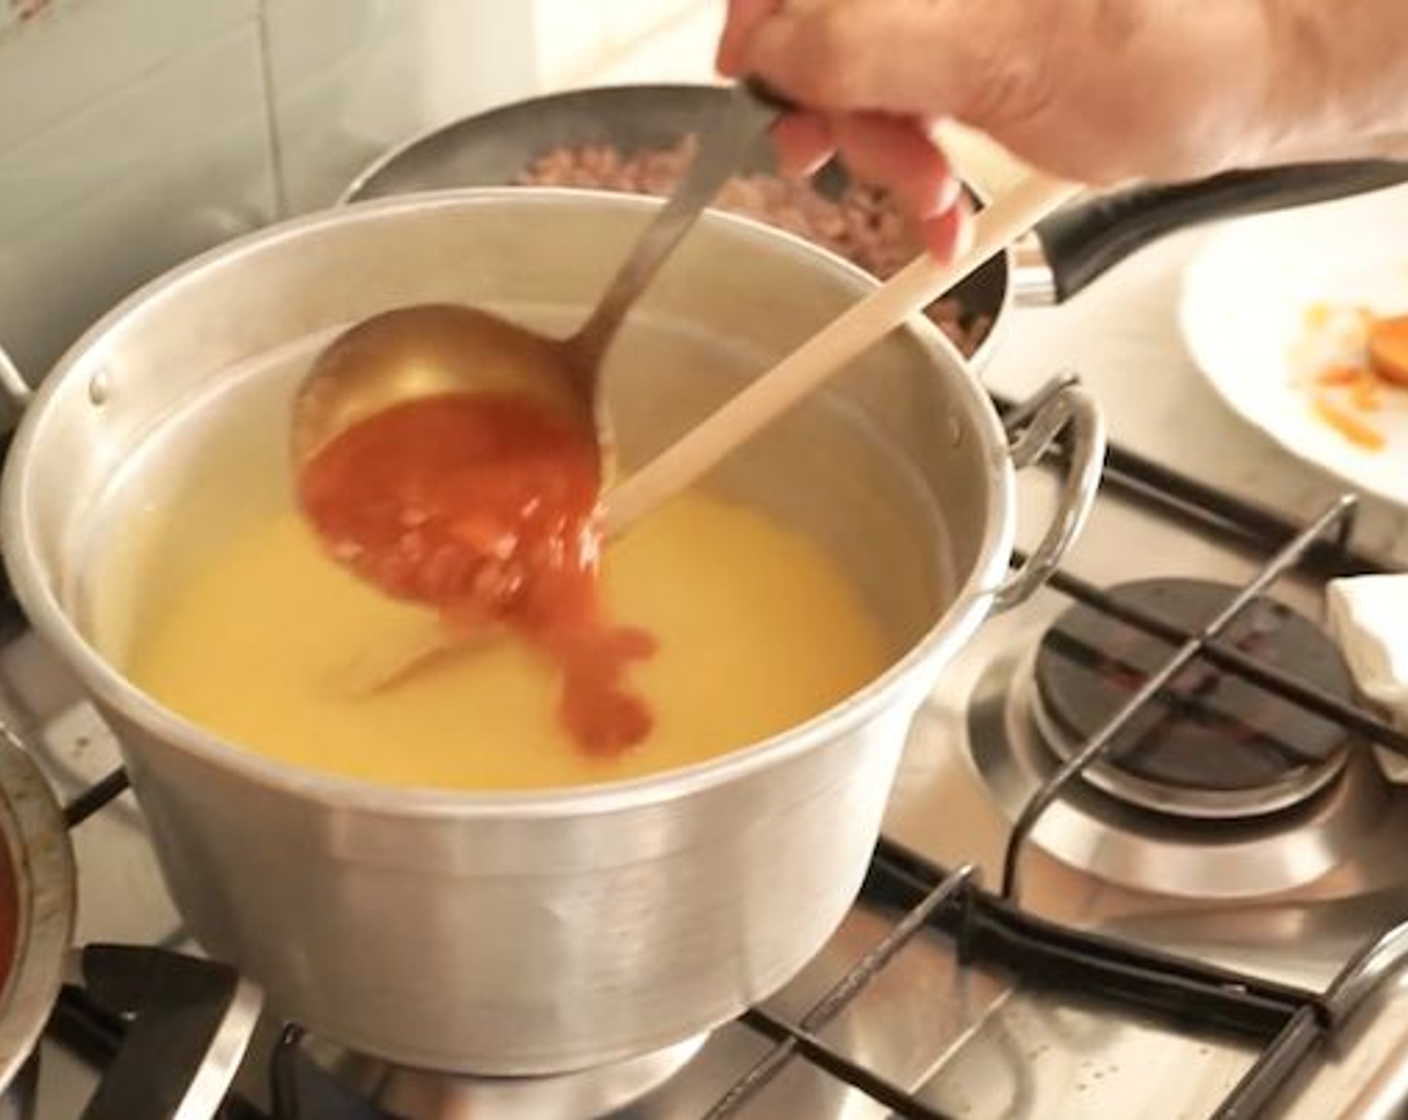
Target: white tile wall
{"x":677,"y":49}
{"x":134,"y":133}
{"x":571,"y":37}
{"x":349,"y":79}
{"x":72,"y":53}
{"x":170,"y":163}
{"x":629,"y":21}
{"x":613,"y":39}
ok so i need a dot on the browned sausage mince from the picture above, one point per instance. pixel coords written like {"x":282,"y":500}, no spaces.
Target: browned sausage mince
{"x":863,"y":224}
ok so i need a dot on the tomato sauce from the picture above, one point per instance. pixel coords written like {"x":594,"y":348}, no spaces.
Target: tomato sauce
{"x":485,"y":507}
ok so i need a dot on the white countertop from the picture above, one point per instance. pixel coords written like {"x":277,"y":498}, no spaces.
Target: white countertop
{"x":1121,"y":335}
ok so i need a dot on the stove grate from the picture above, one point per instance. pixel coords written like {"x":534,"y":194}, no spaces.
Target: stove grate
{"x":96,"y":797}
{"x":801,"y":1039}
{"x":1098,"y":744}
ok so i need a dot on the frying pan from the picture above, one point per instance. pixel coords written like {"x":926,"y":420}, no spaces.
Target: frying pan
{"x":1076,"y":246}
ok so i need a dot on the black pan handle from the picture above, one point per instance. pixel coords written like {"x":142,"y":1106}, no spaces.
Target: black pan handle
{"x":176,"y":1028}
{"x":1083,"y":241}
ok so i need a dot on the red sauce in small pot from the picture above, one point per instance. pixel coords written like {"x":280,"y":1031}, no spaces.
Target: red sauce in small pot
{"x":485,"y":507}
{"x":9,"y":916}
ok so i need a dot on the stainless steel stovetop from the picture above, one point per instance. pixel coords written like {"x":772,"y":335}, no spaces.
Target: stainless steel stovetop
{"x":1039,"y":1022}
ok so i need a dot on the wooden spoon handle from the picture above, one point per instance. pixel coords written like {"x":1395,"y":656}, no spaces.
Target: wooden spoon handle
{"x":906,"y":293}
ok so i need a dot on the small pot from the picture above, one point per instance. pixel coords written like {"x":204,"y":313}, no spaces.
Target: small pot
{"x":37,"y":900}
{"x":534,"y":933}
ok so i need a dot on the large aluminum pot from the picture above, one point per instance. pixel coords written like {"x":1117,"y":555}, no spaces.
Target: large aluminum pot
{"x":518,"y":934}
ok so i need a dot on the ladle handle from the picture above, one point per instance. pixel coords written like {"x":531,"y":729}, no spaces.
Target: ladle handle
{"x":752,"y":109}
{"x":906,"y":293}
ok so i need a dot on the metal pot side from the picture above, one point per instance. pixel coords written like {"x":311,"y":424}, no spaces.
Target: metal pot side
{"x":532,"y":934}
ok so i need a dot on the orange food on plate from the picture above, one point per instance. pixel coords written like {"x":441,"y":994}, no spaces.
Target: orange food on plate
{"x":1388,"y":348}
{"x":1337,"y":375}
{"x":1344,"y":421}
{"x":1366,"y":392}
{"x":1350,"y":360}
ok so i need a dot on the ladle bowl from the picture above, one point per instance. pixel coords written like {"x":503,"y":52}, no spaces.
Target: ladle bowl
{"x":422,"y":349}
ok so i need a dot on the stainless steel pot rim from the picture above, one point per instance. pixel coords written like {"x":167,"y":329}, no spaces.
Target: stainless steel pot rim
{"x":970,"y":604}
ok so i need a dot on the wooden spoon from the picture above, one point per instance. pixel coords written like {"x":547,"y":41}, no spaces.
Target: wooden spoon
{"x":905,"y":294}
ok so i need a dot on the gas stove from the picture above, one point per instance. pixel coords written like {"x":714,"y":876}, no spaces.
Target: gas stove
{"x":1140,"y":859}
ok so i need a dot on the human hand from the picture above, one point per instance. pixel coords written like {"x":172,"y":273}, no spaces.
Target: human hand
{"x":894,"y":150}
{"x":1087,"y":90}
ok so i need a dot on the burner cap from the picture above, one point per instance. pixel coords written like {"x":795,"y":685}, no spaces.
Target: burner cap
{"x":1212,"y":744}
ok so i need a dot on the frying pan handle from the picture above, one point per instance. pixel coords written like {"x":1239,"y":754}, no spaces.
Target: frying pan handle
{"x":1032,"y":427}
{"x":1085,"y":240}
{"x":183,"y":1025}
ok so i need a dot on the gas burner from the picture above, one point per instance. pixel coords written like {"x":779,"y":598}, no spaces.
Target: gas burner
{"x":319,"y":1079}
{"x":1211,"y":744}
{"x":1125,"y":842}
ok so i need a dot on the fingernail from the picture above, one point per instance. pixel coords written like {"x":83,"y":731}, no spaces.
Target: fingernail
{"x":963,"y":242}
{"x":950,"y":192}
{"x":798,"y":166}
{"x":949,"y":235}
{"x":963,"y":234}
{"x":803,"y":144}
{"x":930,"y":199}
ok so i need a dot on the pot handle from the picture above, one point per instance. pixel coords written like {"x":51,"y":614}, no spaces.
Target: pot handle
{"x":1032,"y":427}
{"x":1082,"y":242}
{"x":184,"y":1024}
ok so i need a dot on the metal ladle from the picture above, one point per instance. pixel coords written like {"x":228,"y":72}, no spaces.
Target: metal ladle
{"x":428,"y":349}
{"x":800,"y":372}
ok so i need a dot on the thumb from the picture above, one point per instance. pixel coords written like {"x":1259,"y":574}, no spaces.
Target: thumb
{"x":742,"y":20}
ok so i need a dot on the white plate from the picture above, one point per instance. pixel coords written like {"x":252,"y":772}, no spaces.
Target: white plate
{"x":1243,"y":315}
